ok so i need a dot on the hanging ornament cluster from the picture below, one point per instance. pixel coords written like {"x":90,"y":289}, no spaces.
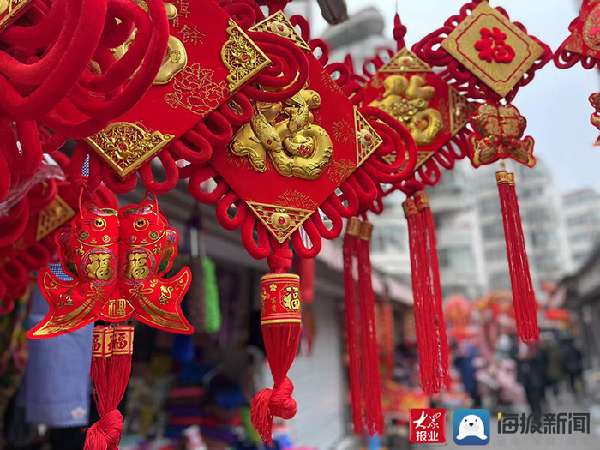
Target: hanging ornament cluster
{"x":436,"y":115}
{"x":117,"y":260}
{"x":489,"y":58}
{"x":306,"y":154}
{"x":284,"y":143}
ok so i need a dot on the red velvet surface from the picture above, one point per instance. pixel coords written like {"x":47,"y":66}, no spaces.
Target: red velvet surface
{"x":582,"y":44}
{"x":117,"y":260}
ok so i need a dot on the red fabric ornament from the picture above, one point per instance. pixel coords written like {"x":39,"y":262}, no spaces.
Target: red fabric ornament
{"x":180,"y":120}
{"x":116,"y":260}
{"x":498,"y":134}
{"x":583,"y":44}
{"x":281,"y":171}
{"x":28,"y":232}
{"x":595,"y":117}
{"x":484,"y":54}
{"x":112,"y":349}
{"x":435,"y":113}
{"x":50,"y":81}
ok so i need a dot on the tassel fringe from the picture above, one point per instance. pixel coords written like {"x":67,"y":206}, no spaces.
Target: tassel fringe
{"x":363,"y":350}
{"x":524,"y":301}
{"x":432,"y":341}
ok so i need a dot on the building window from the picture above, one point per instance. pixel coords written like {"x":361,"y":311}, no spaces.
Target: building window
{"x":495,"y":254}
{"x":493,"y":231}
{"x":456,"y":259}
{"x":542,"y":238}
{"x":389,"y":239}
{"x":490,"y":205}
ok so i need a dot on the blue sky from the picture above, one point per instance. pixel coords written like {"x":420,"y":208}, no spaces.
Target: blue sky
{"x":555,"y":102}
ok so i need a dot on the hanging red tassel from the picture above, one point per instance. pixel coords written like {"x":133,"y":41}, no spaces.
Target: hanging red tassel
{"x":281,"y":327}
{"x":436,"y":287}
{"x":306,"y":271}
{"x":427,"y":341}
{"x":111,"y":366}
{"x":369,"y":347}
{"x":356,"y":387}
{"x":524,"y":302}
{"x":385,"y":335}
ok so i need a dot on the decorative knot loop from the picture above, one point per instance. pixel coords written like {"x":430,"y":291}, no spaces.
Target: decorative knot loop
{"x":280,"y":260}
{"x":399,"y":32}
{"x":272,"y":402}
{"x":106,"y":433}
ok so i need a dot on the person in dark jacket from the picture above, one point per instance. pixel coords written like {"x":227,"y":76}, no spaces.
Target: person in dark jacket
{"x":573,"y":363}
{"x":464,"y":361}
{"x":532,"y":364}
{"x":555,"y":371}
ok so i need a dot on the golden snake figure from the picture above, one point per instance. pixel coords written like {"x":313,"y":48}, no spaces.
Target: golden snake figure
{"x":408,"y":102}
{"x":295,"y":146}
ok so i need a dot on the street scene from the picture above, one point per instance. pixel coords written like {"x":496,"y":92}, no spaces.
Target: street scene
{"x":299,"y":224}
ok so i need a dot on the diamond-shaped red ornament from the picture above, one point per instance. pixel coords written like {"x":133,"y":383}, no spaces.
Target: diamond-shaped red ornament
{"x":296,"y":153}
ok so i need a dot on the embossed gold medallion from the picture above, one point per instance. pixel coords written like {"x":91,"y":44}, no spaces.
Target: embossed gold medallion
{"x":408,"y":90}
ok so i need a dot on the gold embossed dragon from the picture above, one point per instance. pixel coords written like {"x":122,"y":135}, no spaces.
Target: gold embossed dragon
{"x":284,"y":133}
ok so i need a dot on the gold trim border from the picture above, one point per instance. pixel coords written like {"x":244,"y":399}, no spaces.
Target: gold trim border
{"x":286,"y":209}
{"x":166,"y":139}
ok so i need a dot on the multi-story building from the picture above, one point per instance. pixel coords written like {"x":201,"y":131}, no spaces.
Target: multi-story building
{"x":582,"y":216}
{"x":458,"y":233}
{"x":389,"y":242}
{"x":542,"y":219}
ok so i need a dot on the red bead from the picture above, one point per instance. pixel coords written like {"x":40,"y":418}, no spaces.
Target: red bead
{"x":281,"y":221}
